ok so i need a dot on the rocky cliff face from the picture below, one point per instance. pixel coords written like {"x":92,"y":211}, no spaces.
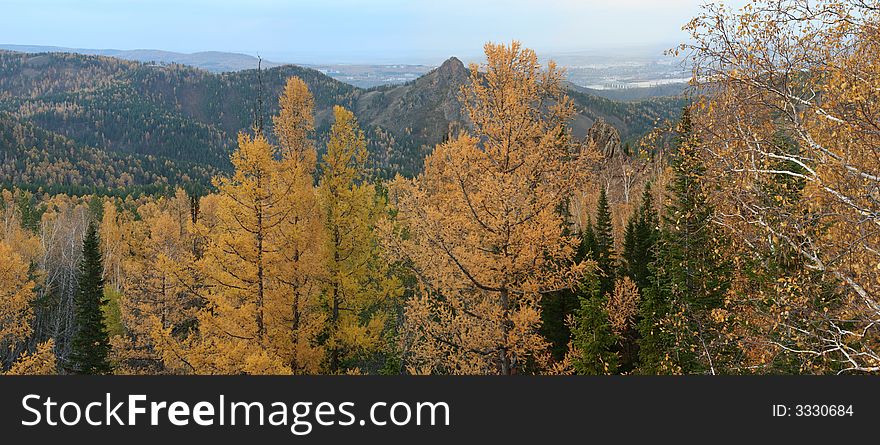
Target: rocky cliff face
{"x":605,"y":137}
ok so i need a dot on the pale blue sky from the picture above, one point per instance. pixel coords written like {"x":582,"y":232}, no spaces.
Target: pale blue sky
{"x":344,"y":30}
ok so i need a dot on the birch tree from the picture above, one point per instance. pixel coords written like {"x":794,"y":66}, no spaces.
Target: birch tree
{"x":805,"y":72}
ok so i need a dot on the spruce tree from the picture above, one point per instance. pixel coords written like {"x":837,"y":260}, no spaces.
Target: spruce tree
{"x":639,"y":253}
{"x":640,"y":238}
{"x":90,"y":346}
{"x":588,"y":240}
{"x":557,"y":307}
{"x":690,"y":278}
{"x":603,"y":253}
{"x":594,"y":343}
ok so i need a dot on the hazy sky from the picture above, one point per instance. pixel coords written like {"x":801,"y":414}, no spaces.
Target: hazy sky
{"x":344,"y":30}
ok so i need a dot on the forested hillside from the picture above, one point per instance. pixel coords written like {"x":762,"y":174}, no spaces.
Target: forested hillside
{"x":533,"y":235}
{"x":35,"y":158}
{"x":184,"y":121}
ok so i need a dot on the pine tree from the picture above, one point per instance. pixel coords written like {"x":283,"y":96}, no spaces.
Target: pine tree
{"x":690,"y":278}
{"x":91,"y":344}
{"x":603,"y":254}
{"x":640,"y":238}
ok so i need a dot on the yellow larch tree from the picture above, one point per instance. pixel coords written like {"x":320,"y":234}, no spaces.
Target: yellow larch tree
{"x":358,"y":287}
{"x":113,"y":243}
{"x":623,"y":305}
{"x":240,"y":330}
{"x":16,"y":315}
{"x":263,"y":257}
{"x":40,"y":362}
{"x":296,"y":121}
{"x":481,"y":226}
{"x":302,"y":229}
{"x":161,"y":289}
{"x":16,"y":293}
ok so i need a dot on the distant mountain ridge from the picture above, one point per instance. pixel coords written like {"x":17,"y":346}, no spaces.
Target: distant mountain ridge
{"x":179,"y":123}
{"x":634,"y":94}
{"x":213,"y":61}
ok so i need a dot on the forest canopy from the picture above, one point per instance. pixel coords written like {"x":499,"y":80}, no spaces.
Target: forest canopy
{"x":741,"y":236}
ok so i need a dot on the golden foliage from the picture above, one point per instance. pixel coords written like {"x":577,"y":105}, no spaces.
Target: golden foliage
{"x":358,"y":286}
{"x":245,"y":326}
{"x":161,"y":280}
{"x":41,"y":362}
{"x":295,"y":120}
{"x":622,"y":305}
{"x":790,"y":113}
{"x":16,"y":293}
{"x":480,"y":225}
{"x":263,"y":257}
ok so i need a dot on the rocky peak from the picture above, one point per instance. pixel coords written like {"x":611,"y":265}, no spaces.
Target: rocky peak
{"x":606,"y":138}
{"x":452,"y":67}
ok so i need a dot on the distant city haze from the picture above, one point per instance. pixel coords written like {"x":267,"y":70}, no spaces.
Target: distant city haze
{"x":349,"y":31}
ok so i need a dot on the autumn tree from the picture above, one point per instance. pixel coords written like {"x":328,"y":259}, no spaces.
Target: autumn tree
{"x":111,"y":230}
{"x":622,"y":308}
{"x":295,"y":121}
{"x":806,"y":71}
{"x":91,"y":344}
{"x":162,"y":285}
{"x":40,"y":362}
{"x":480,"y":226}
{"x":55,"y":255}
{"x":358,"y":285}
{"x":243,"y":327}
{"x":262,"y":258}
{"x":22,"y":282}
{"x":16,"y":293}
{"x":303,"y":228}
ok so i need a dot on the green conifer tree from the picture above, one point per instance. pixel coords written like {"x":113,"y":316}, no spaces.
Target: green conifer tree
{"x":90,"y":346}
{"x":603,"y":253}
{"x":588,"y":240}
{"x":639,"y":242}
{"x":594,"y":343}
{"x":557,"y":307}
{"x":690,"y":278}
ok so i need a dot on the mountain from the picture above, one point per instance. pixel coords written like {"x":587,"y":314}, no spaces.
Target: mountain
{"x":213,"y":61}
{"x":431,"y":101}
{"x":179,"y":123}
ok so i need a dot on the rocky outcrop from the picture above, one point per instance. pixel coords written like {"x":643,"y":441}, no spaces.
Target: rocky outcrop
{"x":422,"y":109}
{"x":605,"y":137}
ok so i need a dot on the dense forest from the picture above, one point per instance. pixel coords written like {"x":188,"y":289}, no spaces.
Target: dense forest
{"x":530,"y":230}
